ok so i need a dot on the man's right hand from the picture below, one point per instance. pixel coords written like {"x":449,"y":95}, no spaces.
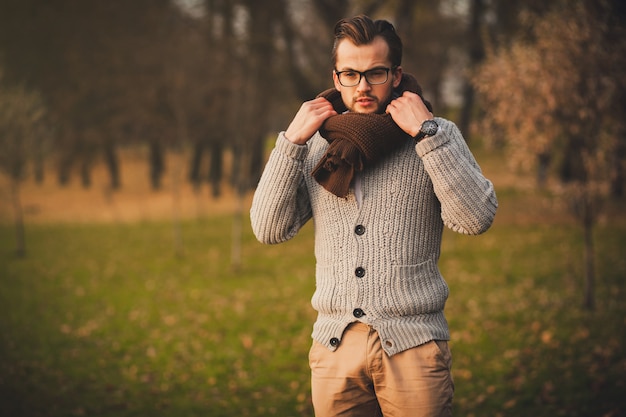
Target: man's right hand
{"x":308,"y":120}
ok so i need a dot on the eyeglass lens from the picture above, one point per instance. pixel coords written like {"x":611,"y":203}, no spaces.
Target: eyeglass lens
{"x":374,"y":76}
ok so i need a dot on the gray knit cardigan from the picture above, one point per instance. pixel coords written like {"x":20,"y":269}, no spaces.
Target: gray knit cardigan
{"x":377,"y":262}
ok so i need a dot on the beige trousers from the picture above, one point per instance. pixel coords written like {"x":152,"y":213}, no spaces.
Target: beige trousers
{"x":360,"y":379}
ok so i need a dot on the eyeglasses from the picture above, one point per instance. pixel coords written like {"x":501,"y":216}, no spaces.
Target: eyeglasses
{"x":374,"y":76}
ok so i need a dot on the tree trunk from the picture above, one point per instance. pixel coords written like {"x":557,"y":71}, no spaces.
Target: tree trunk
{"x":588,"y":215}
{"x":236,"y":237}
{"x":543,"y":163}
{"x":39,"y":164}
{"x":257,"y":162}
{"x":618,"y":174}
{"x":476,"y":55}
{"x":196,"y":164}
{"x":240,"y":155}
{"x":112,"y":163}
{"x":64,"y":168}
{"x":157,"y":165}
{"x":177,"y":233}
{"x":20,"y":241}
{"x":215,"y":168}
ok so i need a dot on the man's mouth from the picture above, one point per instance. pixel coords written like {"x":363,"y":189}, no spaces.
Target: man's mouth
{"x":365,"y":101}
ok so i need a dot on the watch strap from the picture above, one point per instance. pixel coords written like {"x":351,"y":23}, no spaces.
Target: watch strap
{"x":428,"y":128}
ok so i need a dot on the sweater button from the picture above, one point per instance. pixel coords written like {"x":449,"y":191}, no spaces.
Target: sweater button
{"x":359,"y":272}
{"x":359,"y":230}
{"x":334,"y":342}
{"x":358,"y":313}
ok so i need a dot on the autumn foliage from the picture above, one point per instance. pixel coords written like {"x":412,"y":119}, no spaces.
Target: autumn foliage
{"x":558,"y":94}
{"x":556,"y":99}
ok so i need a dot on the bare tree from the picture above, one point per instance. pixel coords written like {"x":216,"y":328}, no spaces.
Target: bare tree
{"x":21,"y":134}
{"x":559,"y":94}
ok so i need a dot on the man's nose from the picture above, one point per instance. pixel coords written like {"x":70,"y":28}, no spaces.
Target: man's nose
{"x":363,"y":84}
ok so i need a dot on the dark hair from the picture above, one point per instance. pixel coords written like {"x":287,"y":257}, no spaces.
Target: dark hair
{"x":361,"y":30}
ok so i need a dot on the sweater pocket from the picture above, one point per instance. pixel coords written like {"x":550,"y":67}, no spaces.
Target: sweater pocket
{"x":416,"y":289}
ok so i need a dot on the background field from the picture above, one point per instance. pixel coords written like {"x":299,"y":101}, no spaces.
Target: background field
{"x":102,"y":318}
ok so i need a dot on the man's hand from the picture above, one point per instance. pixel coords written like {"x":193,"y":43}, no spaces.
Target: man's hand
{"x":308,"y":120}
{"x":409,"y":112}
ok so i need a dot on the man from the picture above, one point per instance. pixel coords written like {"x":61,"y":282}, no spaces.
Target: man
{"x":380,"y":176}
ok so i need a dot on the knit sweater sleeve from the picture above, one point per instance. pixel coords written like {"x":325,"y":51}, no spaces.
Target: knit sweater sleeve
{"x":281,"y":206}
{"x":468,"y":199}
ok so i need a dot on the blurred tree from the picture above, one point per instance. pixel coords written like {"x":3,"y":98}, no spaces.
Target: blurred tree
{"x":21,"y":139}
{"x":217,"y":75}
{"x":433,"y":43}
{"x":559,"y":96}
{"x":213,"y":124}
{"x":495,"y":22}
{"x":476,"y":54}
{"x":90,"y":62}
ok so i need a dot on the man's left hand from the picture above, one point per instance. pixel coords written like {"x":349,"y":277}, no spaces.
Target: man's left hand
{"x":409,"y":112}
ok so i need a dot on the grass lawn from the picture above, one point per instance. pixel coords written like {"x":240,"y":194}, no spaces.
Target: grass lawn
{"x":103,"y":319}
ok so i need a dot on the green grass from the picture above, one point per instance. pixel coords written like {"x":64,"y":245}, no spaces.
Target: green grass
{"x":104,"y":320}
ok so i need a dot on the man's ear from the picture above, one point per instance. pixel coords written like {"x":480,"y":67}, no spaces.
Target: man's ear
{"x":336,"y":81}
{"x":397,"y":77}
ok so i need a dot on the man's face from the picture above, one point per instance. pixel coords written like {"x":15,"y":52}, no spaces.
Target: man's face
{"x":365,"y":97}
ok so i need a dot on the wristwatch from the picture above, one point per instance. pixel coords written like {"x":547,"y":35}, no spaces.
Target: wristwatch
{"x":429,"y":128}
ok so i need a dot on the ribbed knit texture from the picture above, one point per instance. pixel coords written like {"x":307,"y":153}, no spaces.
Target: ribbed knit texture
{"x":407,"y":198}
{"x":358,"y":139}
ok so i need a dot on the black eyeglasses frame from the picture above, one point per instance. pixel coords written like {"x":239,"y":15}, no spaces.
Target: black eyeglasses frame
{"x":365,"y":74}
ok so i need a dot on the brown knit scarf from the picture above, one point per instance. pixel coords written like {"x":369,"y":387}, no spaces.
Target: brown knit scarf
{"x":357,"y":139}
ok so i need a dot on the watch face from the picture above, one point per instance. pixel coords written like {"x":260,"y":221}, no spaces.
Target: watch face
{"x":429,"y":127}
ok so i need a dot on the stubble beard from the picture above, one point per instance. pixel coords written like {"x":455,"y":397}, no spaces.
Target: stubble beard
{"x":380,"y":106}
